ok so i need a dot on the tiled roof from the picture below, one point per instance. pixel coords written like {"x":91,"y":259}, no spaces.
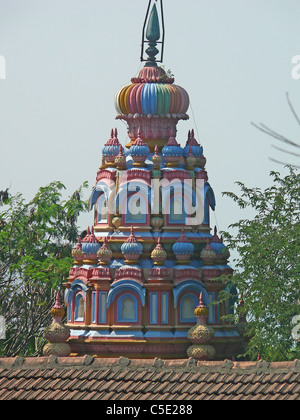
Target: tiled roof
{"x":88,"y":378}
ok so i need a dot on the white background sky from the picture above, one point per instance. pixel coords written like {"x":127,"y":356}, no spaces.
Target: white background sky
{"x":66,"y":58}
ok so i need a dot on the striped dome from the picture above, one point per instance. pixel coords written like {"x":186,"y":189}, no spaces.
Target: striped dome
{"x":183,"y":246}
{"x":139,"y":148}
{"x":131,"y":245}
{"x":90,"y":244}
{"x":152,"y":99}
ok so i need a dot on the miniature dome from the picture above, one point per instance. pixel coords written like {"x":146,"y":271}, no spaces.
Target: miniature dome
{"x":158,"y":254}
{"x":112,"y":147}
{"x":104,"y":253}
{"x":197,"y":150}
{"x":131,"y":248}
{"x":172,"y":152}
{"x":172,"y":148}
{"x":216,"y":243}
{"x":208,"y":255}
{"x":139,"y":148}
{"x":77,"y":253}
{"x":90,"y":244}
{"x":183,"y":247}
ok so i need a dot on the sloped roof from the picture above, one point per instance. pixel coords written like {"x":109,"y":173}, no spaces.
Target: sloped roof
{"x":88,"y":378}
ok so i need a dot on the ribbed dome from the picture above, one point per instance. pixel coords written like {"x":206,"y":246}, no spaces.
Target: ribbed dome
{"x":197,"y":150}
{"x":104,"y":253}
{"x":139,"y":148}
{"x":131,"y":246}
{"x":158,"y":254}
{"x":77,"y":253}
{"x":208,"y":254}
{"x":172,"y":148}
{"x":112,"y":146}
{"x":152,"y":99}
{"x":216,"y":243}
{"x":183,"y":246}
{"x":90,"y":244}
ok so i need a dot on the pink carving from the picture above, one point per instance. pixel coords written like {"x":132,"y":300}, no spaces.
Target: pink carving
{"x":129,"y":273}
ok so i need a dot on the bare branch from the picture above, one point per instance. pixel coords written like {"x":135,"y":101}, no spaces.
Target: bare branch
{"x":275,"y":135}
{"x":286,"y":151}
{"x":284,"y":163}
{"x":292,"y":108}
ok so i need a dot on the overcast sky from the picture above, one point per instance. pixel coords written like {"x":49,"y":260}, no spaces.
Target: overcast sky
{"x":65,"y":59}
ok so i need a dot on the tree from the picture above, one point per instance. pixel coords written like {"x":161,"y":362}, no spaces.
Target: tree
{"x":36,"y":240}
{"x":267,"y":268}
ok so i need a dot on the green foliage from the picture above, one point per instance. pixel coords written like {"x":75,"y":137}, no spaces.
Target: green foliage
{"x":36,"y":240}
{"x":267,"y":269}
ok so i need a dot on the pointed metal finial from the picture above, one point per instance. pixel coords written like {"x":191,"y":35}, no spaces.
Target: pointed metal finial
{"x":153,"y":30}
{"x":152,"y":34}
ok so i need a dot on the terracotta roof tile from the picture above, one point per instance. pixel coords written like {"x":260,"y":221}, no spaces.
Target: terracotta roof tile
{"x":86,"y":378}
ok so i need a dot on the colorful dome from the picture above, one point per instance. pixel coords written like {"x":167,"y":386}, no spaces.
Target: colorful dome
{"x":77,"y":253}
{"x":172,"y":148}
{"x":208,"y":255}
{"x":197,"y":150}
{"x":139,"y":148}
{"x":161,"y":99}
{"x":159,"y":255}
{"x":90,"y":244}
{"x":216,"y":243}
{"x":112,"y":147}
{"x":104,"y":253}
{"x":131,"y":249}
{"x":183,"y":246}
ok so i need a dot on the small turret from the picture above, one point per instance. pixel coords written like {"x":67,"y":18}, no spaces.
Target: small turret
{"x":57,"y":334}
{"x":201,"y":334}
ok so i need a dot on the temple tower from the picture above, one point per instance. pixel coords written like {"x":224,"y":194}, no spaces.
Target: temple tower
{"x":150,"y":253}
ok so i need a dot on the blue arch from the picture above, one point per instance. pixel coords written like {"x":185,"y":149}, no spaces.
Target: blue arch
{"x":104,"y":186}
{"x":77,"y":286}
{"x":190,"y":286}
{"x":126,"y":286}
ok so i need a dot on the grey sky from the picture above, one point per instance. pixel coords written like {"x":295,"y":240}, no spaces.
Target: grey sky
{"x":66,"y":58}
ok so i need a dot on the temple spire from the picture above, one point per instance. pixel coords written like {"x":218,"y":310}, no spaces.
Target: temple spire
{"x":152,"y":33}
{"x":153,"y":30}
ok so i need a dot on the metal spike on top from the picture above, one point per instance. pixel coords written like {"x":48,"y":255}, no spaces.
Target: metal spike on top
{"x":152,"y":35}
